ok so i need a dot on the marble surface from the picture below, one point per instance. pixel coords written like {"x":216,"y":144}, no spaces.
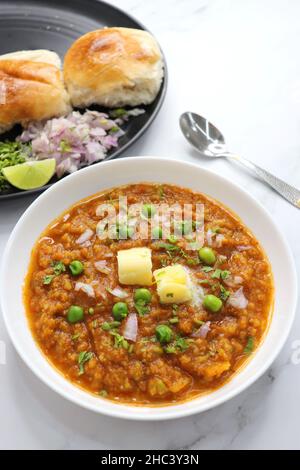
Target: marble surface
{"x":237,"y":63}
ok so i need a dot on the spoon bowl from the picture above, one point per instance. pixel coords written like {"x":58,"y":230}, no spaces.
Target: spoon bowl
{"x":209,"y":142}
{"x":202,"y":135}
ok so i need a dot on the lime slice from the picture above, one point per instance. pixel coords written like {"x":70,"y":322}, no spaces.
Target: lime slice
{"x":30,"y":175}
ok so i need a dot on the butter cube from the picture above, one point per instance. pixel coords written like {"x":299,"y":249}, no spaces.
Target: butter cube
{"x":173,"y":284}
{"x":135,"y":266}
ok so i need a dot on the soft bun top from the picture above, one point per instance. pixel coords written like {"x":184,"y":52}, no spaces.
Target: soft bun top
{"x":109,"y":60}
{"x":31,"y":88}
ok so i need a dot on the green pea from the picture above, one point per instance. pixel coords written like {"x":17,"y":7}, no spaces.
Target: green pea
{"x":120,"y":311}
{"x":212,"y":303}
{"x":148,"y":210}
{"x":157,"y":232}
{"x":76,"y":267}
{"x":142,"y":295}
{"x":75,"y":314}
{"x":207,"y":255}
{"x":163,"y":333}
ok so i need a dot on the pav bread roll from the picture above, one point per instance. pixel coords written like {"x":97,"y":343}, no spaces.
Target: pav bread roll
{"x":31,"y":88}
{"x":113,"y":67}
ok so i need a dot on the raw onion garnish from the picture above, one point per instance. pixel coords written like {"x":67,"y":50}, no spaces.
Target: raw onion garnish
{"x":202,"y":331}
{"x":102,"y":267}
{"x":219,"y":240}
{"x":86,"y":288}
{"x":209,"y":237}
{"x":238,"y":299}
{"x":76,"y":140}
{"x":131,"y":327}
{"x":85,"y":236}
{"x":233,"y":280}
{"x":244,"y":247}
{"x":118,"y":292}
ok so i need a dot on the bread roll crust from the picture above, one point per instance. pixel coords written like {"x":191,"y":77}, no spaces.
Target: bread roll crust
{"x":113,"y":67}
{"x":30,"y":91}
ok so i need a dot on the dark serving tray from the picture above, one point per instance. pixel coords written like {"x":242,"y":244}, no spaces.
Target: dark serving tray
{"x":54,"y":25}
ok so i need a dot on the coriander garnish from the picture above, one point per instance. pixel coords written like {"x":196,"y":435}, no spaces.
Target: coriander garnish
{"x":58,"y":267}
{"x":107,"y":326}
{"x":48,"y":279}
{"x":224,"y":294}
{"x":84,"y":356}
{"x":249,"y":346}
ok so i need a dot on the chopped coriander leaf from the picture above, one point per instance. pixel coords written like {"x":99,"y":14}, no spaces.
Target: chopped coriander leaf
{"x":103,"y":393}
{"x":74,"y":337}
{"x":130,"y":349}
{"x":116,"y":113}
{"x":107,"y":326}
{"x":114,"y":129}
{"x":181,"y":344}
{"x":207,"y":269}
{"x":91,"y":311}
{"x":65,"y":146}
{"x":48,"y":279}
{"x":198,"y":322}
{"x":58,"y":268}
{"x":224,"y":294}
{"x":170,"y":349}
{"x":249,"y":346}
{"x":141,"y":307}
{"x":120,"y":341}
{"x":83,"y":357}
{"x":174,"y":320}
{"x":168,"y":246}
{"x":220,"y":274}
{"x":11,"y":153}
{"x":170,"y":294}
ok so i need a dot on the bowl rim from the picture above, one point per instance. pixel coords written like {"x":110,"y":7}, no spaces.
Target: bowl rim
{"x":126,"y":411}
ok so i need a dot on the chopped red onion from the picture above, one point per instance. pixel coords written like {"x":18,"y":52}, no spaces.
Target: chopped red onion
{"x":117,"y":292}
{"x":85,"y":236}
{"x":238,"y":299}
{"x":209,"y":237}
{"x":75,"y":140}
{"x":233,"y":280}
{"x":202,"y":331}
{"x":86,"y":288}
{"x":244,"y":247}
{"x":219,"y":240}
{"x":131,"y":327}
{"x":102,"y":267}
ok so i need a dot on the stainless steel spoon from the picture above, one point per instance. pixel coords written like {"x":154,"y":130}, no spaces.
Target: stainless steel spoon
{"x":209,"y":141}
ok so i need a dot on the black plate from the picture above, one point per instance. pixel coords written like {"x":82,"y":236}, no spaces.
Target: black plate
{"x":54,"y":25}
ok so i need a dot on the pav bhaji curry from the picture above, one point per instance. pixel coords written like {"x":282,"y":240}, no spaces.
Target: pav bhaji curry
{"x":148,"y":321}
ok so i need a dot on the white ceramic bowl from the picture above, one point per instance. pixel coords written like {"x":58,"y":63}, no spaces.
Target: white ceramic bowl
{"x":129,"y":170}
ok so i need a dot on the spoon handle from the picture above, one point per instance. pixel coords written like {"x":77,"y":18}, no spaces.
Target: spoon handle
{"x":290,"y":193}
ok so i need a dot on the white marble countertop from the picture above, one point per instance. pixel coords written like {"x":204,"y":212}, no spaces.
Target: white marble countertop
{"x":237,"y":63}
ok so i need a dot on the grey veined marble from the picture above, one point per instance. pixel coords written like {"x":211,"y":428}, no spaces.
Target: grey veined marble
{"x":237,"y":63}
